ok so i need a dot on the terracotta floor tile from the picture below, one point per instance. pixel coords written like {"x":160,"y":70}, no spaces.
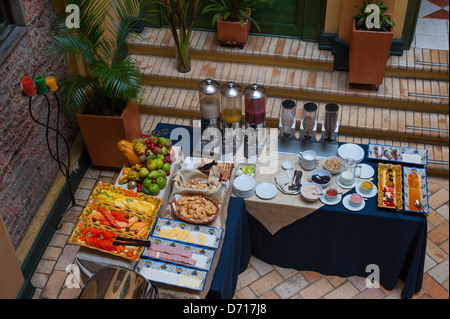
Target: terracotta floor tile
{"x":317,"y":289}
{"x":266,"y":283}
{"x":439,"y":198}
{"x":433,"y":288}
{"x":439,"y":234}
{"x":245,"y":293}
{"x":345,"y":291}
{"x":291,"y":286}
{"x":54,"y":285}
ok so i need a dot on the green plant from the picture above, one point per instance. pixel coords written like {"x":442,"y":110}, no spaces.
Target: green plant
{"x":175,"y":13}
{"x":111,"y":79}
{"x":233,"y":10}
{"x":385,"y":21}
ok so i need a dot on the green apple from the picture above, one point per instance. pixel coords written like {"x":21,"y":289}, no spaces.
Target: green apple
{"x":151,"y":164}
{"x":143,"y":172}
{"x":153,"y":174}
{"x":161,"y":182}
{"x":151,"y":156}
{"x":161,"y":172}
{"x":166,"y":167}
{"x":146,"y":183}
{"x":159,"y":163}
{"x":154,"y":189}
{"x":160,"y":156}
{"x":164,"y":150}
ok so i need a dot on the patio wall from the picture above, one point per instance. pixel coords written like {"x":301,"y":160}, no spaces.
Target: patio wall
{"x":27,"y":171}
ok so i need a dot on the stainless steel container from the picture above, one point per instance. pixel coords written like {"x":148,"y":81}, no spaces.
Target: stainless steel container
{"x":231,"y":107}
{"x":118,"y":283}
{"x":209,"y":97}
{"x":255,"y":106}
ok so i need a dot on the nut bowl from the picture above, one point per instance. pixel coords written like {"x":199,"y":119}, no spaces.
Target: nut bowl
{"x":321,"y":177}
{"x":311,"y":191}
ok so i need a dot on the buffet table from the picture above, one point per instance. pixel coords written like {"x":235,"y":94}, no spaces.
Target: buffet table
{"x":335,"y":241}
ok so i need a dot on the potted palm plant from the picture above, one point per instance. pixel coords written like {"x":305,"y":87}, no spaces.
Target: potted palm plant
{"x":370,"y":46}
{"x":104,"y":97}
{"x":233,"y":18}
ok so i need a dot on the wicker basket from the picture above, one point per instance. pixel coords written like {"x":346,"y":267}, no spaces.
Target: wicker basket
{"x":194,"y":220}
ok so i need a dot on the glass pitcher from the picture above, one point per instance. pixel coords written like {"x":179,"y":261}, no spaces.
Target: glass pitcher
{"x":349,"y":171}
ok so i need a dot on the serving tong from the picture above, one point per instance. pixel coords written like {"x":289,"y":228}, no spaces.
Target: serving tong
{"x":131,"y":242}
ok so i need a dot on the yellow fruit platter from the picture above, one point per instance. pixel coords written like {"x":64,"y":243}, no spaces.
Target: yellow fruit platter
{"x":121,"y":198}
{"x":130,"y":222}
{"x":390,"y":182}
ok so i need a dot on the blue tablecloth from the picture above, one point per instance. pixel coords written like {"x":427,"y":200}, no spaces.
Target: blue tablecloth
{"x":332,"y":241}
{"x":335,"y":241}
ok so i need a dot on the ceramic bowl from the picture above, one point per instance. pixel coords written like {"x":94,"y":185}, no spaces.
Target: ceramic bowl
{"x":356,"y":200}
{"x":334,"y":170}
{"x":316,"y":175}
{"x":331,"y":194}
{"x":308,"y":191}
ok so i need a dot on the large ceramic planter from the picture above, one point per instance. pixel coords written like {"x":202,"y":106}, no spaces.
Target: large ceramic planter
{"x":101,"y":134}
{"x":369,"y":52}
{"x":232,"y":33}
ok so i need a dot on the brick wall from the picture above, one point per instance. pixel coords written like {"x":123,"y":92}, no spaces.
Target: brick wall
{"x":27,"y":171}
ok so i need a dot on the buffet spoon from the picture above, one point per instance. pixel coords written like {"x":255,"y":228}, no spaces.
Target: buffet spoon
{"x":391,"y":200}
{"x":419,"y":205}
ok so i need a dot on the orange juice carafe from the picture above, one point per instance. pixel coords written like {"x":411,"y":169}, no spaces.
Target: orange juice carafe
{"x":231,"y":107}
{"x":414,"y":191}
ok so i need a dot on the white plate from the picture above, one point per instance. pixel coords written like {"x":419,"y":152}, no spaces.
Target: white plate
{"x":338,"y":181}
{"x":244,"y":183}
{"x":366,"y":171}
{"x":372,"y":193}
{"x":324,"y":200}
{"x":244,"y":194}
{"x":350,"y":150}
{"x":346,"y":203}
{"x":266,"y":191}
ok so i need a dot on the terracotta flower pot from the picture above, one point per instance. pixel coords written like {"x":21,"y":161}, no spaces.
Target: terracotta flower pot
{"x":232,"y":33}
{"x":101,"y":134}
{"x":369,"y":52}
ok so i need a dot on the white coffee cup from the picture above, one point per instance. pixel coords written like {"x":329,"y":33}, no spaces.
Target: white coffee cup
{"x":308,"y":160}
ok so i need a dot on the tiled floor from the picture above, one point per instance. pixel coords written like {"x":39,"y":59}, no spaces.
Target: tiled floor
{"x":432,"y":27}
{"x":261,"y":280}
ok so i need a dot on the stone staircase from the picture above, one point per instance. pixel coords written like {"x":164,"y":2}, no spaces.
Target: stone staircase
{"x":410,"y":107}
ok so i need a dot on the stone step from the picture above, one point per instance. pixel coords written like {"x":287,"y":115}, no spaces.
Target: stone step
{"x":438,"y":155}
{"x":282,"y":52}
{"x":324,"y":86}
{"x":354,"y":120}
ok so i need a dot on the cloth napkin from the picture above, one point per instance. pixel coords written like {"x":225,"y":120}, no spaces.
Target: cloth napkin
{"x":284,"y":178}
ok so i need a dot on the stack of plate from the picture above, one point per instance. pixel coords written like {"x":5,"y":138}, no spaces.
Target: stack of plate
{"x":244,"y":186}
{"x":350,"y":150}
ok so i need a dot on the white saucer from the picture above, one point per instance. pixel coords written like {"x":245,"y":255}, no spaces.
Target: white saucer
{"x":266,"y":191}
{"x":346,"y":203}
{"x":366,"y":171}
{"x":324,"y":200}
{"x":287,"y":165}
{"x":350,"y":150}
{"x":372,"y":193}
{"x":338,"y":181}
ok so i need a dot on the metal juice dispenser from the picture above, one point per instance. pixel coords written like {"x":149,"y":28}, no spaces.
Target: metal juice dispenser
{"x":231,"y":107}
{"x":255,"y":119}
{"x":209,"y":97}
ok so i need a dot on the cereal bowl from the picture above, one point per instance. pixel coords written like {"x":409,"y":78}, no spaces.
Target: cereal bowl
{"x":331,"y":164}
{"x":311,"y":191}
{"x":321,"y":177}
